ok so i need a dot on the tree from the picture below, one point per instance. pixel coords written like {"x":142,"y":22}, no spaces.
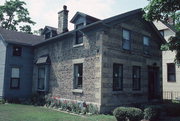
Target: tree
{"x":163,"y":10}
{"x":14,"y":16}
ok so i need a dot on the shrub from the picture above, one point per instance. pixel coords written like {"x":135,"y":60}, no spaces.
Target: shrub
{"x":172,"y":109}
{"x":152,"y":113}
{"x":93,"y":109}
{"x":2,"y":101}
{"x":128,"y":113}
{"x":38,"y":99}
{"x":75,"y":107}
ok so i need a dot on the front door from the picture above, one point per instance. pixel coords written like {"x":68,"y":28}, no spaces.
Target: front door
{"x":153,"y":82}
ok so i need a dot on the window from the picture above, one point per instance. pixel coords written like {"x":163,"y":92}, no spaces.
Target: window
{"x":41,"y":78}
{"x":79,"y":38}
{"x":162,"y":32}
{"x":126,"y":40}
{"x":78,"y":76}
{"x":117,"y":77}
{"x":171,"y":72}
{"x":17,"y":51}
{"x":136,"y":77}
{"x":146,"y":43}
{"x":15,"y":79}
{"x":48,"y":35}
{"x":78,"y":26}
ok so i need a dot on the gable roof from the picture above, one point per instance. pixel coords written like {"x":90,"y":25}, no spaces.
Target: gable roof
{"x":106,"y":22}
{"x":49,"y":28}
{"x":169,"y":26}
{"x":83,"y":15}
{"x":20,"y":38}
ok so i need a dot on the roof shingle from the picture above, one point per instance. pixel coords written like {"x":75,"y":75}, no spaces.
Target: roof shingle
{"x":15,"y":37}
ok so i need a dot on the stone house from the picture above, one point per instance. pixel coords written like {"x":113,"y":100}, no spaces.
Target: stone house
{"x":107,"y":62}
{"x":171,"y":71}
{"x":110,"y":62}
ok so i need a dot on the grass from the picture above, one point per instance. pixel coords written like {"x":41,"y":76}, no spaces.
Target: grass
{"x":16,"y":112}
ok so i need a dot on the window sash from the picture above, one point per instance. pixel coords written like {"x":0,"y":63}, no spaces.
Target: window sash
{"x":136,"y":78}
{"x":17,"y":51}
{"x":126,"y":40}
{"x":15,"y":82}
{"x":41,"y":78}
{"x":79,"y":38}
{"x":171,"y":72}
{"x":146,"y":43}
{"x":15,"y":72}
{"x":117,"y":77}
{"x":78,"y":76}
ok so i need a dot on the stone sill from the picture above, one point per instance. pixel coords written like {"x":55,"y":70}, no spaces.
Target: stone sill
{"x":77,"y":91}
{"x":38,"y":90}
{"x":78,"y":45}
{"x":117,"y":92}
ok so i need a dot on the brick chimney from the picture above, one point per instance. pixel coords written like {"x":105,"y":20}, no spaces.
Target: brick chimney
{"x":63,"y":20}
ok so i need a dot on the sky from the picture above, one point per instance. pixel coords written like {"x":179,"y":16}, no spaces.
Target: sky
{"x":44,"y":12}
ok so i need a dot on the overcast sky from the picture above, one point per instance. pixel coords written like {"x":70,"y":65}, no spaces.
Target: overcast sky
{"x":44,"y":12}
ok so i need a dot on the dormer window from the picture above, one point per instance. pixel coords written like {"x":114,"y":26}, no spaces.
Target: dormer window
{"x":17,"y":51}
{"x":78,"y":26}
{"x":47,"y":35}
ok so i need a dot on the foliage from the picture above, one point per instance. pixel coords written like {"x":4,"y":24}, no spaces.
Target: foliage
{"x":152,"y":113}
{"x":2,"y":101}
{"x":92,"y":109}
{"x":14,"y":16}
{"x":167,"y":11}
{"x":38,"y":99}
{"x":162,"y":10}
{"x":128,"y":113}
{"x":78,"y":107}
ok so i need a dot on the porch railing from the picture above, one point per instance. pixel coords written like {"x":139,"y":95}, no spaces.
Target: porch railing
{"x":171,"y":95}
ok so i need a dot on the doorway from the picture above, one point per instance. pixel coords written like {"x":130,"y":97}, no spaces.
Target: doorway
{"x":153,"y":83}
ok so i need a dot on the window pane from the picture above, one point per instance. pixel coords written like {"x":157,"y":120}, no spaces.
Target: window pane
{"x":136,"y":77}
{"x":17,"y":51}
{"x":78,"y":75}
{"x":79,"y":38}
{"x":126,"y":44}
{"x":171,"y":72}
{"x":15,"y":73}
{"x":14,"y":83}
{"x":126,"y":35}
{"x":41,"y":84}
{"x":117,"y":77}
{"x":146,"y":40}
{"x":162,"y":32}
{"x":78,"y":26}
{"x":171,"y":77}
{"x":41,"y":78}
{"x":41,"y":72}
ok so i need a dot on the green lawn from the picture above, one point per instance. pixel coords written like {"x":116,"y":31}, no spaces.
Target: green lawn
{"x":15,"y":112}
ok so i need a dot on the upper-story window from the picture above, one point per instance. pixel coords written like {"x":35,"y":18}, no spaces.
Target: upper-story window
{"x":146,"y":43}
{"x":171,"y":72}
{"x":162,"y":32}
{"x":48,"y":35}
{"x":79,"y":38}
{"x":15,"y":78}
{"x":78,"y":26}
{"x":17,"y":51}
{"x":126,"y":40}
